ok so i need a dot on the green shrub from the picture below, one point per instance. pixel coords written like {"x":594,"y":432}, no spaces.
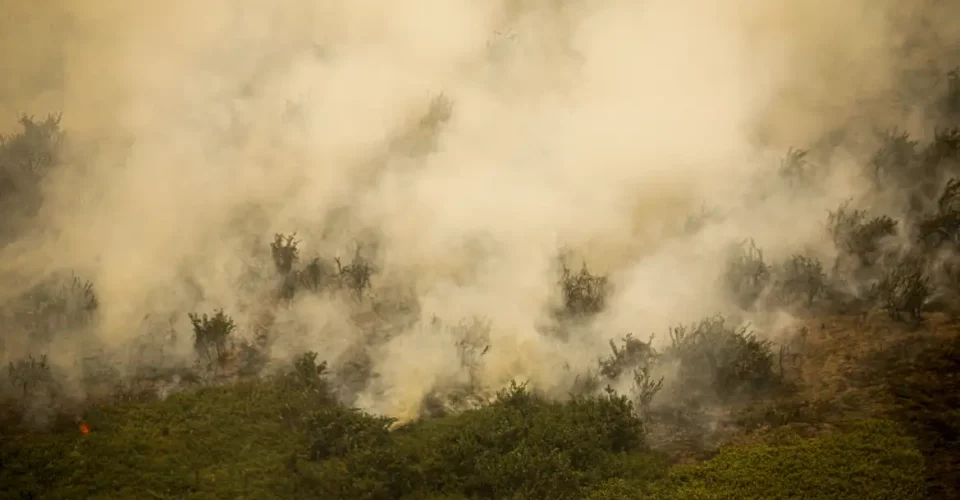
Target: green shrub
{"x":874,"y":459}
{"x":519,"y":446}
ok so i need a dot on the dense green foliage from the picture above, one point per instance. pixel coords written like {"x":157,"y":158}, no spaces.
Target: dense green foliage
{"x":287,"y":438}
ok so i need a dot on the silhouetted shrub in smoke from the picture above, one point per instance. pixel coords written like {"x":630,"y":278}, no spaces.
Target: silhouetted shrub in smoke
{"x":632,"y":353}
{"x":285,"y":253}
{"x":747,"y":275}
{"x":355,"y":277}
{"x":25,"y":160}
{"x":212,"y":337}
{"x":318,"y":275}
{"x":896,"y":159}
{"x":799,"y":280}
{"x":904,"y":289}
{"x":30,"y":374}
{"x":858,"y":237}
{"x":950,"y":102}
{"x":943,"y":226}
{"x":943,"y":153}
{"x":422,"y":138}
{"x":584,"y":294}
{"x":796,"y":169}
{"x":719,"y":363}
{"x":57,"y":305}
{"x":634,"y":358}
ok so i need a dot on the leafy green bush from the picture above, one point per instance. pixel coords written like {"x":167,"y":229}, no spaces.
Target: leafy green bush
{"x":871,"y":459}
{"x":519,"y":446}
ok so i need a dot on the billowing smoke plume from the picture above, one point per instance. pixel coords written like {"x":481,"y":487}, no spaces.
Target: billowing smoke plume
{"x":461,"y":144}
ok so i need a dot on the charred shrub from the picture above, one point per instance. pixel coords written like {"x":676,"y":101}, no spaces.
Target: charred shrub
{"x":858,"y":236}
{"x":950,"y":102}
{"x":286,"y":254}
{"x":584,"y":294}
{"x":747,"y":275}
{"x":799,"y":280}
{"x":717,"y":362}
{"x":422,"y":137}
{"x":904,"y":289}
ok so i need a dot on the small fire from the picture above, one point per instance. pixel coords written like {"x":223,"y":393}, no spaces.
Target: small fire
{"x":84,"y":428}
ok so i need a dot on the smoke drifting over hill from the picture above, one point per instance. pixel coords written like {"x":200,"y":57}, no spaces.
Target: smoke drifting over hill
{"x":464,"y":143}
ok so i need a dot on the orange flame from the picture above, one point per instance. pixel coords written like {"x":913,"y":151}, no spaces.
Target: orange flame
{"x":84,"y":428}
